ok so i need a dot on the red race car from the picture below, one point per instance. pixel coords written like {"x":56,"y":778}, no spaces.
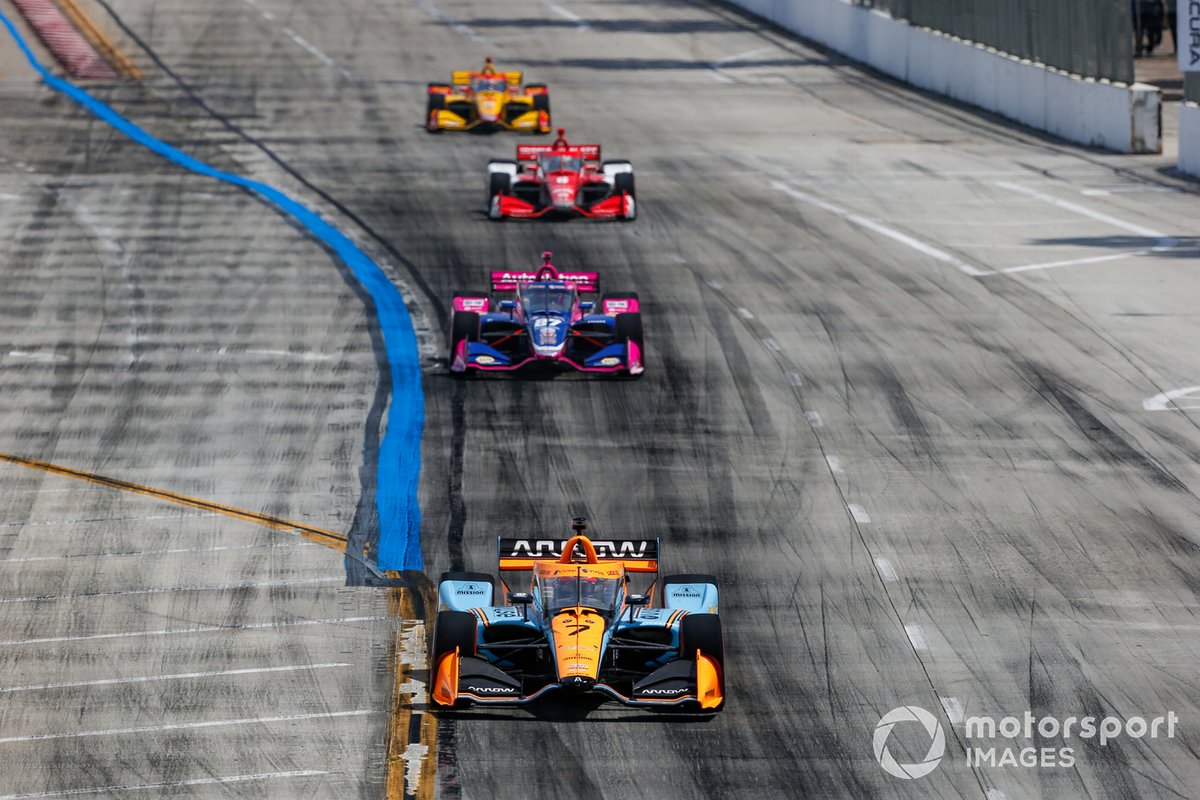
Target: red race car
{"x":561,"y":179}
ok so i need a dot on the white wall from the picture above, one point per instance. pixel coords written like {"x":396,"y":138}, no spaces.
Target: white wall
{"x":1113,"y":116}
{"x":1189,"y":138}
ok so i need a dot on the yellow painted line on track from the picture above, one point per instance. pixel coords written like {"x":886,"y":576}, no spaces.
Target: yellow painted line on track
{"x":99,"y":40}
{"x":334,"y":541}
{"x":411,"y":756}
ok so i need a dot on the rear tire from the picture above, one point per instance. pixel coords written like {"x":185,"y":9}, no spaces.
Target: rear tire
{"x":474,"y":577}
{"x":614,"y":296}
{"x":454,"y":629}
{"x":541,"y":102}
{"x":688,"y":577}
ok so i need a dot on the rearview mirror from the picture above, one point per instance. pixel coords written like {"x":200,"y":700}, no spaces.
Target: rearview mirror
{"x":632,"y":600}
{"x":508,"y":305}
{"x":522,"y":599}
{"x":586,"y":305}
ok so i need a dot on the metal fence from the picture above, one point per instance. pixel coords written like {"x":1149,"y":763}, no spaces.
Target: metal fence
{"x":1093,"y":38}
{"x":1191,"y":86}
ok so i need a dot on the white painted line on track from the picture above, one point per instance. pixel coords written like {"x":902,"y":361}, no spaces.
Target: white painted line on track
{"x":883,"y":230}
{"x":216,"y":587}
{"x":1169,"y":400}
{"x":185,"y":726}
{"x":917,"y":636}
{"x":717,"y":67}
{"x":187,"y":631}
{"x":317,"y":53}
{"x":954,"y":710}
{"x":1074,"y":262}
{"x":745,"y":313}
{"x":771,"y":345}
{"x":311,"y":48}
{"x":445,"y":18}
{"x":170,"y":551}
{"x":886,"y":570}
{"x":794,"y":379}
{"x":306,"y":356}
{"x":1091,"y":213}
{"x":143,"y":787}
{"x":858,"y":512}
{"x":814,"y":418}
{"x":581,"y":24}
{"x":38,"y":687}
{"x":413,"y":757}
{"x":38,"y":356}
{"x":835,"y":463}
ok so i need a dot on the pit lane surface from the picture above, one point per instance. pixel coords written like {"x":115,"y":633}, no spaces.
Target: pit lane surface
{"x":920,"y":480}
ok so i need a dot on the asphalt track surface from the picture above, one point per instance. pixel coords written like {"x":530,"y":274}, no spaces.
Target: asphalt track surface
{"x":921,"y":479}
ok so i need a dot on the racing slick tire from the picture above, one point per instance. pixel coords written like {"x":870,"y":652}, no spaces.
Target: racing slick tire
{"x":688,"y":577}
{"x":629,"y":329}
{"x":454,"y":629}
{"x":434,"y":103}
{"x":702,"y":632}
{"x":613,"y":296}
{"x":623,"y":184}
{"x":498,"y":183}
{"x":541,"y":102}
{"x":464,"y":325}
{"x":475,"y":577}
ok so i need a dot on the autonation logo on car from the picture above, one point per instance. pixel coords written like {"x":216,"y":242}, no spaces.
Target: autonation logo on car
{"x":1007,"y":741}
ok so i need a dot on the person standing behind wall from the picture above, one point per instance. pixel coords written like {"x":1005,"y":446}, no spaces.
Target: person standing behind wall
{"x":1148,"y":25}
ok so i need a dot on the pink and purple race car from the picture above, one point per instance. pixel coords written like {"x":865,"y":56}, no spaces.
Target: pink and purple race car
{"x":538,"y":319}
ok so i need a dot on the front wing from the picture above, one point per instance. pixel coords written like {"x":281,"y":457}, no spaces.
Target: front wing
{"x":531,"y":121}
{"x":469,"y":679}
{"x":613,"y":359}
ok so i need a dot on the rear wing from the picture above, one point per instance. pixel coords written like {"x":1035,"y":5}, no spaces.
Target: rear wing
{"x":507,"y":280}
{"x":461,"y":78}
{"x":530,"y":152}
{"x":637,"y":555}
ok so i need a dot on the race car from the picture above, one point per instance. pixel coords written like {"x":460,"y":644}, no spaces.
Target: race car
{"x":578,"y":629}
{"x":560,"y":179}
{"x":538,"y":319}
{"x":487,"y":100}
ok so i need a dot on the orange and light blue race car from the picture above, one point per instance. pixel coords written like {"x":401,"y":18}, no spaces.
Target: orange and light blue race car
{"x":487,"y":100}
{"x":578,"y":629}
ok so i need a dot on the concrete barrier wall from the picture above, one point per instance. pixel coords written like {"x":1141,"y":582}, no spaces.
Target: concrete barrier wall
{"x":1189,"y":138}
{"x":1113,"y":116}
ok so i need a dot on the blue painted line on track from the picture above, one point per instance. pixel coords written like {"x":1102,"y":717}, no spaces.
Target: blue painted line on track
{"x":400,"y":451}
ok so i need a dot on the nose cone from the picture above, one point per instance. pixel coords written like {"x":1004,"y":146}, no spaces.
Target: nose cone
{"x":563,"y":187}
{"x":578,"y":634}
{"x":549,"y":335}
{"x":488,"y":106}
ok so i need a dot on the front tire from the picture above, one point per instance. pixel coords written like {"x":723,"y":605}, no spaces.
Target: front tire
{"x":629,"y":329}
{"x":702,"y":633}
{"x":498,"y":183}
{"x":464,"y":326}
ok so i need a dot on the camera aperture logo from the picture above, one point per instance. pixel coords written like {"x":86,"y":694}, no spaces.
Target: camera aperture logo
{"x":937,"y":743}
{"x":1026,"y":741}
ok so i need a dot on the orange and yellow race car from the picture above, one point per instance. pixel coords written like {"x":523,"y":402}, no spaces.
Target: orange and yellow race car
{"x":487,"y":100}
{"x":578,"y":629}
